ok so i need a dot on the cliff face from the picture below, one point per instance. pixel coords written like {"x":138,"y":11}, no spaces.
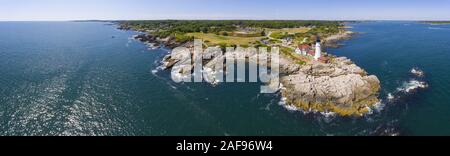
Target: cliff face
{"x":340,"y":87}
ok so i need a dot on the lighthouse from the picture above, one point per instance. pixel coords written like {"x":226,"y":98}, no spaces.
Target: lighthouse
{"x":318,"y":53}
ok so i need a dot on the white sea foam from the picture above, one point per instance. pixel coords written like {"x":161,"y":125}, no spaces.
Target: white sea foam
{"x":282,"y":87}
{"x":390,"y":97}
{"x":151,"y":46}
{"x":282,"y":101}
{"x":161,"y":67}
{"x":417,"y":72}
{"x":378,"y":106}
{"x":328,"y":114}
{"x":411,"y":86}
{"x":291,"y":108}
{"x":287,"y":106}
{"x":370,"y":110}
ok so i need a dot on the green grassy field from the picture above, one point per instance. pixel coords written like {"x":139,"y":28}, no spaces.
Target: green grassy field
{"x":290,"y":30}
{"x":214,"y":39}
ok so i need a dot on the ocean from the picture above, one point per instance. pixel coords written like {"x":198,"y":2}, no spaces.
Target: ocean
{"x":90,"y":79}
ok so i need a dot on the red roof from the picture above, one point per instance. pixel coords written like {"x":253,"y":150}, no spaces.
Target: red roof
{"x":304,"y":47}
{"x":311,"y":52}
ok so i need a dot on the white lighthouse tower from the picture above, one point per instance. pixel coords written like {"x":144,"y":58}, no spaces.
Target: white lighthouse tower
{"x":318,"y":53}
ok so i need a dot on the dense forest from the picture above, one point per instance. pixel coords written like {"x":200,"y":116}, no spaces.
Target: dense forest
{"x":170,"y":27}
{"x":437,"y":22}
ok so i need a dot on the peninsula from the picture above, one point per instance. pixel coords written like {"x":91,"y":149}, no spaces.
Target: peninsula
{"x":312,"y":80}
{"x":437,"y":22}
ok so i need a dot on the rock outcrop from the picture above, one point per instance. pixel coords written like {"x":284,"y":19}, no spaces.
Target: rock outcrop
{"x":156,"y":42}
{"x":333,"y":41}
{"x":340,"y":87}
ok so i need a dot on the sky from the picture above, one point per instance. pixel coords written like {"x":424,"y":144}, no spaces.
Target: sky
{"x":61,"y":10}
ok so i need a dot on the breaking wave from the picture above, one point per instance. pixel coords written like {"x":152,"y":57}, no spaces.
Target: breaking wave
{"x":379,"y":106}
{"x":412,"y":85}
{"x":327,"y":114}
{"x":390,"y":97}
{"x":417,"y":72}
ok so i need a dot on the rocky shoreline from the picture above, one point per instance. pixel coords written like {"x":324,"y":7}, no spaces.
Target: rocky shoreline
{"x":152,"y":41}
{"x":333,"y":41}
{"x":340,"y":86}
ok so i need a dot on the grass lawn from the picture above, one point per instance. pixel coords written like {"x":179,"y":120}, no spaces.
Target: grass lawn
{"x":213,"y":39}
{"x":299,"y":58}
{"x":290,"y":30}
{"x":281,"y":33}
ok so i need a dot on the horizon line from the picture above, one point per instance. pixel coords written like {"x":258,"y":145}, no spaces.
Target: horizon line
{"x":187,"y":19}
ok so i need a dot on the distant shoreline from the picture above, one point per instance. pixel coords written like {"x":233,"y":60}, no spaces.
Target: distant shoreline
{"x":437,"y":22}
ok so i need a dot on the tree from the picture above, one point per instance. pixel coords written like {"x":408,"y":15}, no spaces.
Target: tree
{"x":205,"y":30}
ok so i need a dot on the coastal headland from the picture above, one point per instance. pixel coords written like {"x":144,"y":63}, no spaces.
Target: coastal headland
{"x":328,"y":84}
{"x":437,"y":22}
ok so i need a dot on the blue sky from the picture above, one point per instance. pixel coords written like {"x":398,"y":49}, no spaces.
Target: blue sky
{"x":31,"y":10}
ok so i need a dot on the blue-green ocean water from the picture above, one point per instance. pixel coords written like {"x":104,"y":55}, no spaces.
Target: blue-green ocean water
{"x":73,"y":78}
